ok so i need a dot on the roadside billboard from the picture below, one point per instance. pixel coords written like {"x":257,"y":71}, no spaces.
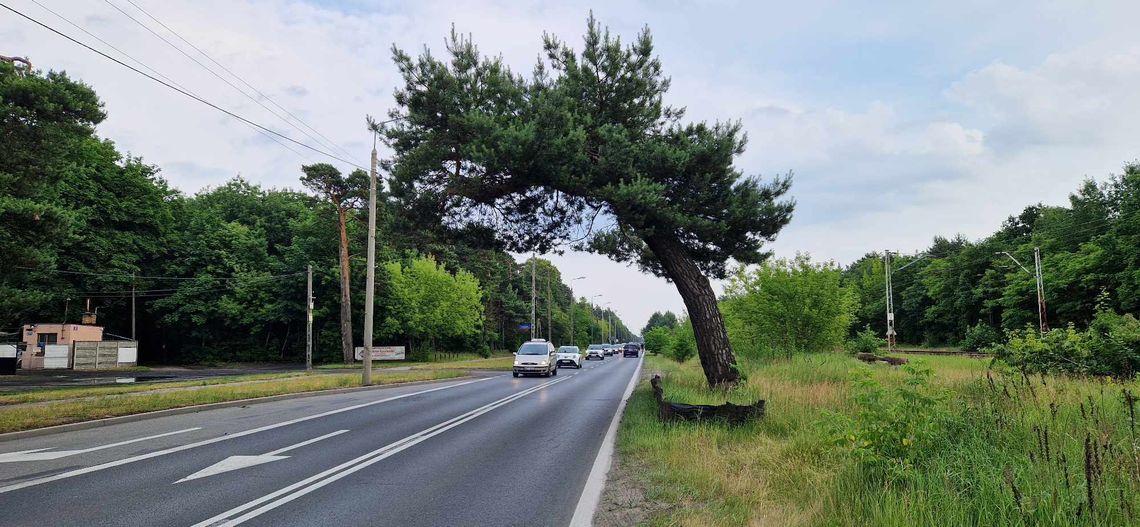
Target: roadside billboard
{"x":382,"y":353}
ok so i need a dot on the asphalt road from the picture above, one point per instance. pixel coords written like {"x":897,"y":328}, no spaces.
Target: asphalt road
{"x":488,"y":451}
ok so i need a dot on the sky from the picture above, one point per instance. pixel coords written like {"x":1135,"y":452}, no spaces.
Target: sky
{"x":900,"y":121}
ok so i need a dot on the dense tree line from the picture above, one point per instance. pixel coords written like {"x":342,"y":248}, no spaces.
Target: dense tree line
{"x":219,"y":275}
{"x":1090,"y":253}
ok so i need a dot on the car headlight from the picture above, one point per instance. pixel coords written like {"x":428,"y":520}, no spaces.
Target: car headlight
{"x":543,"y":363}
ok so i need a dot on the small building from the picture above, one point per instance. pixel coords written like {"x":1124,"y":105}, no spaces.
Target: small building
{"x":50,"y":345}
{"x":39,"y":335}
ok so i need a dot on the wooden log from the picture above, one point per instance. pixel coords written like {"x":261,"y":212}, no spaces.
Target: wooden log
{"x":871,"y":358}
{"x":728,"y":412}
{"x":867,"y":357}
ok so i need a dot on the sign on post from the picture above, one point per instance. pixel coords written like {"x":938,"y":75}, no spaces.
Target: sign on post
{"x":524,"y":327}
{"x":382,"y":353}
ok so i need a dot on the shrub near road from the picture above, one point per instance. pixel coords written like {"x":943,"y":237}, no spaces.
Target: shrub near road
{"x":844,"y":443}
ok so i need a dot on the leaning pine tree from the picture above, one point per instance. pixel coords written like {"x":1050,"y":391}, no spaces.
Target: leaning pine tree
{"x":585,"y":141}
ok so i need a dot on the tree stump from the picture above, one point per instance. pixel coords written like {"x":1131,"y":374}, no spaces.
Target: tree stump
{"x":728,"y":412}
{"x":871,"y":358}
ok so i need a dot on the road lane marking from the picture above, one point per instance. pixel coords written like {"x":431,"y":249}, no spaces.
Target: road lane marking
{"x":596,"y":481}
{"x":239,"y":462}
{"x":314,"y":482}
{"x":280,"y":451}
{"x":39,"y":454}
{"x":120,"y":462}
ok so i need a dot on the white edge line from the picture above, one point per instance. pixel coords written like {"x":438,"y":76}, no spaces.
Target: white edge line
{"x":119,"y":462}
{"x":280,"y":451}
{"x":596,"y":481}
{"x":129,"y":441}
{"x":314,"y":482}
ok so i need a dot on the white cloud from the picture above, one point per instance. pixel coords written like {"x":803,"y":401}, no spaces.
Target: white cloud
{"x":929,"y":119}
{"x":1075,"y":98}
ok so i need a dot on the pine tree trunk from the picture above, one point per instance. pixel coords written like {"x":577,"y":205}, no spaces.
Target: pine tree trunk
{"x":345,"y":292}
{"x":713,"y":348}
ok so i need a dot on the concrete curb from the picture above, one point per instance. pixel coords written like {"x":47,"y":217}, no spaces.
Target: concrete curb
{"x":108,"y":421}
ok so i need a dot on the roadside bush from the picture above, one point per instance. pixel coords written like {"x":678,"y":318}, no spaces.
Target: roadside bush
{"x":1109,"y":347}
{"x":684,"y":344}
{"x":865,"y":341}
{"x":658,"y":340}
{"x":787,"y":306}
{"x":980,"y":336}
{"x":1114,"y":342}
{"x":892,"y":428}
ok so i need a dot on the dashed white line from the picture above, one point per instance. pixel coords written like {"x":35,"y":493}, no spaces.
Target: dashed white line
{"x":39,"y":454}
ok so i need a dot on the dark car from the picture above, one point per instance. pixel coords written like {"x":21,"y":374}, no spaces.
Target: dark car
{"x":631,"y":350}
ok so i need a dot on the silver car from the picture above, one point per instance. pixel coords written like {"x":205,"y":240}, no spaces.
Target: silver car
{"x":535,"y":358}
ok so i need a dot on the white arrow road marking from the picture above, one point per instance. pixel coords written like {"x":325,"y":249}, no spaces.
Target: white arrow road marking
{"x":171,"y":450}
{"x":280,"y":497}
{"x":39,"y":454}
{"x":239,"y":462}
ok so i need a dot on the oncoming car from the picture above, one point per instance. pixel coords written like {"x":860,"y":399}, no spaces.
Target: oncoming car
{"x":596,"y":351}
{"x":631,"y":350}
{"x":568,"y":356}
{"x":535,"y":358}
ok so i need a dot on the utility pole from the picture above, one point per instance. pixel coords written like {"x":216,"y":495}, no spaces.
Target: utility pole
{"x":533,"y":298}
{"x":890,"y":286}
{"x":890,"y":302}
{"x":133,"y":337}
{"x":549,"y":325}
{"x":309,"y":319}
{"x":1042,"y":317}
{"x":370,"y":281}
{"x":1043,"y":323}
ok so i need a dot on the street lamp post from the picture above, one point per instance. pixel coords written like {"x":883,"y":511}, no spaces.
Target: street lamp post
{"x":572,"y":305}
{"x":592,"y":303}
{"x":609,"y":324}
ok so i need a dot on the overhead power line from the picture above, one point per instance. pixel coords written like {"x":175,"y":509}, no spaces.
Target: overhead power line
{"x":208,"y":69}
{"x":180,"y":90}
{"x":156,"y":72}
{"x":143,"y":277}
{"x":327,"y":142}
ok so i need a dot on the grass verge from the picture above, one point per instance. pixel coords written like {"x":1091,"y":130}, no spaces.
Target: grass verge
{"x":990,"y":448}
{"x":61,"y":412}
{"x":74,"y":392}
